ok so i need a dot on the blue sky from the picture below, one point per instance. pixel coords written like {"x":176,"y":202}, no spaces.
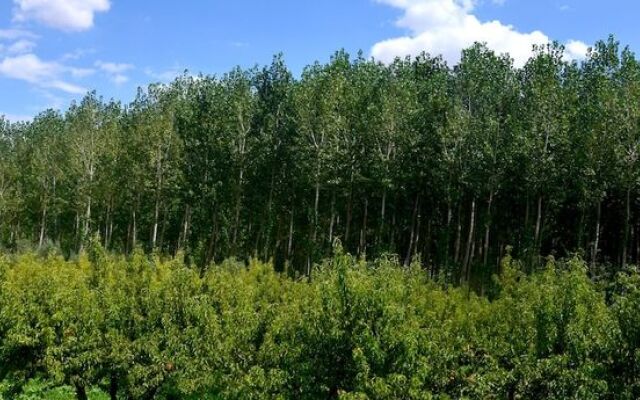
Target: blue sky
{"x":52,"y":51}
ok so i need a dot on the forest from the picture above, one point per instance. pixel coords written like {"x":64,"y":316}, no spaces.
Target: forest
{"x":363,"y":230}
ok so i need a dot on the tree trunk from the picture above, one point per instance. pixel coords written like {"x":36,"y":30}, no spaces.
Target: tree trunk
{"x":182,"y":238}
{"x":467,"y":256}
{"x":81,"y":392}
{"x":627,"y":218}
{"x":316,"y":203}
{"x":487,"y":229}
{"x":290,"y":241}
{"x":447,"y":250}
{"x":363,"y":232}
{"x":77,"y":230}
{"x":414,"y":215}
{"x":596,"y":241}
{"x":43,"y":225}
{"x":383,"y":210}
{"x":113,"y":387}
{"x":536,"y":236}
{"x":163,"y":230}
{"x":156,"y":222}
{"x":456,"y":250}
{"x":87,"y":224}
{"x":134,"y":230}
{"x":236,"y":223}
{"x":211,"y":248}
{"x":333,"y":217}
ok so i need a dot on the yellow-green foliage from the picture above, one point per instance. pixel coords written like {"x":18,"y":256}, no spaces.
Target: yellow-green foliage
{"x":144,"y":327}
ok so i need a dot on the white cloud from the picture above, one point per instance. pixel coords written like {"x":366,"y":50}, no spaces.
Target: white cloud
{"x":21,"y":46}
{"x":12,"y":34}
{"x":115,"y":71}
{"x":29,"y":68}
{"x":80,"y":72}
{"x":165,"y":76}
{"x":77,"y":54}
{"x":445,"y":27}
{"x":575,"y":50}
{"x":120,"y":79}
{"x":16,"y":117}
{"x":67,"y":15}
{"x":113,"y":68}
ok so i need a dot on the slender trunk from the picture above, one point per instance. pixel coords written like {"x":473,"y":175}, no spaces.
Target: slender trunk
{"x":86,"y":225}
{"x":536,"y":236}
{"x":487,"y":229}
{"x":467,"y":256}
{"x":418,"y":230}
{"x":447,"y":251}
{"x":236,"y":223}
{"x":156,"y":223}
{"x":627,"y":218}
{"x":107,"y":224}
{"x":393,"y":230}
{"x":134,"y":230}
{"x":183,"y":237}
{"x":113,"y":387}
{"x":55,"y":232}
{"x":81,"y":392}
{"x":43,"y":226}
{"x":581,"y":229}
{"x":363,"y":232}
{"x":316,"y":203}
{"x":349,"y":208}
{"x":427,"y":250}
{"x":211,"y":248}
{"x":163,"y":230}
{"x":414,"y":215}
{"x":596,"y":242}
{"x":76,"y":232}
{"x":456,"y":252}
{"x":333,"y":217}
{"x":526,"y":214}
{"x":638,"y":244}
{"x":290,"y":241}
{"x":241,"y":150}
{"x":383,"y":210}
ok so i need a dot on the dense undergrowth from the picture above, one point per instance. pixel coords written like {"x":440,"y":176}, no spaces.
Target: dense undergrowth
{"x":106,"y":326}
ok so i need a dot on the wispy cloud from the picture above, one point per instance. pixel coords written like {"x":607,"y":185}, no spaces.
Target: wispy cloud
{"x":16,"y":117}
{"x":31,"y":69}
{"x":76,"y":54}
{"x":164,"y":76}
{"x":13,"y":34}
{"x":238,"y":44}
{"x":115,"y":71}
{"x":66,"y":15}
{"x":21,"y":46}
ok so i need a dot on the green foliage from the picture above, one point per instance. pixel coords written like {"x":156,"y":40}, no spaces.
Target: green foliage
{"x":146,"y":327}
{"x":446,"y":164}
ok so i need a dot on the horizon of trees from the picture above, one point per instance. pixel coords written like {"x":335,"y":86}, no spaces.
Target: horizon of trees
{"x":453,"y":166}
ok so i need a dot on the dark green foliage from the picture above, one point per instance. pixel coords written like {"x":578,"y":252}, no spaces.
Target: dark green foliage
{"x":450,"y":165}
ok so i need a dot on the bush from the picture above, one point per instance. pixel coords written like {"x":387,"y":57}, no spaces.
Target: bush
{"x":146,"y":327}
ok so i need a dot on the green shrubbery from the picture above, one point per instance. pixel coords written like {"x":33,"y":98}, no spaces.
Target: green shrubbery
{"x":142,"y":327}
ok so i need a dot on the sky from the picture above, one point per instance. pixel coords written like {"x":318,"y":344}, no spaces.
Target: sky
{"x":53,"y":51}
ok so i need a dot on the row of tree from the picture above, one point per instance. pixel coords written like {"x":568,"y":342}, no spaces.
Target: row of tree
{"x":453,"y":164}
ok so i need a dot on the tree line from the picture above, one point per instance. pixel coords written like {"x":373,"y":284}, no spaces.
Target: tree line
{"x":450,"y":166}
